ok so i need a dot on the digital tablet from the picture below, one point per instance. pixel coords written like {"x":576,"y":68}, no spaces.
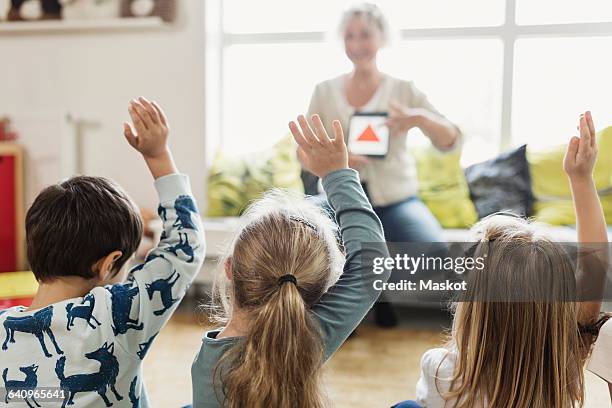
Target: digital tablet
{"x":369,"y":134}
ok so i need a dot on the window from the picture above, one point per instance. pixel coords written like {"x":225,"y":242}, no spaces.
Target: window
{"x":273,"y":16}
{"x":550,"y":92}
{"x":563,"y":11}
{"x":506,"y":71}
{"x":468,"y":94}
{"x":266,"y":86}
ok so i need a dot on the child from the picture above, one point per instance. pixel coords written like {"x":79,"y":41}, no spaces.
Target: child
{"x":91,"y":323}
{"x":600,"y":362}
{"x":283,"y":322}
{"x":531,"y":353}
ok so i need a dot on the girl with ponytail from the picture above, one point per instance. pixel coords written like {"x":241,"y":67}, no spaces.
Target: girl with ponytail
{"x":289,"y":297}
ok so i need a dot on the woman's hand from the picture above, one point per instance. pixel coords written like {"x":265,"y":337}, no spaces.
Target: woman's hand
{"x":442,"y":133}
{"x":317,"y":152}
{"x":357,"y":162}
{"x":402,"y":119}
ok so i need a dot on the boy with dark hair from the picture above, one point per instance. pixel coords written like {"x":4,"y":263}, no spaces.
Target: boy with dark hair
{"x":91,"y":322}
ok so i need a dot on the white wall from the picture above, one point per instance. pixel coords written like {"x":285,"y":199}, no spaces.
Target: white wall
{"x":93,"y":75}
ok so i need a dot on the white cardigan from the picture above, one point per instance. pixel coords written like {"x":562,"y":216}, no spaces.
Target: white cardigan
{"x":390,"y":179}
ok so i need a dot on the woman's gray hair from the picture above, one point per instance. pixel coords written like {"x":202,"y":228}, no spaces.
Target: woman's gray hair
{"x":372,"y":14}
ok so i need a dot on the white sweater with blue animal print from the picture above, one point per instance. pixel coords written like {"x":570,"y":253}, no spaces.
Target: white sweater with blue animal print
{"x":92,"y":347}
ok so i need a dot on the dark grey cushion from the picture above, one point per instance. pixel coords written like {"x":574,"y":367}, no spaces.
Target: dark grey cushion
{"x":502,"y":184}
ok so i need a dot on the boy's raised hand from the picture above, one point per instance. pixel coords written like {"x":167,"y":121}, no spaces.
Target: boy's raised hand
{"x":581,"y":152}
{"x":319,"y":154}
{"x":151,"y":137}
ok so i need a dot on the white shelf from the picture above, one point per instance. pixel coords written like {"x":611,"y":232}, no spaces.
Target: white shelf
{"x":69,"y":26}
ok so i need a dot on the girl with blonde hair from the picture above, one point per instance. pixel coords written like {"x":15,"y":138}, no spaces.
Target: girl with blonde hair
{"x":522,"y":337}
{"x":284,"y":309}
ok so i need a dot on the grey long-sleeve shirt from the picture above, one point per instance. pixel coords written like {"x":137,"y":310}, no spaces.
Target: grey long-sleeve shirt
{"x":343,"y":306}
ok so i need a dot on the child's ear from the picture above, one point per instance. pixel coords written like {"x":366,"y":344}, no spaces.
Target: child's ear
{"x":227,"y":265}
{"x":106,"y":266}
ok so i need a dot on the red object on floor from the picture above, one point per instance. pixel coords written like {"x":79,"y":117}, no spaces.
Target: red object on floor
{"x":8,"y":221}
{"x":6,"y":303}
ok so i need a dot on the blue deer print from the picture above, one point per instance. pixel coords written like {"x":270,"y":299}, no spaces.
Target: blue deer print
{"x":38,"y":324}
{"x":164,"y":287}
{"x":182,"y":246}
{"x":148,"y":259}
{"x":29,"y":384}
{"x":161,"y":211}
{"x":184,"y":206}
{"x":99,"y":382}
{"x":121,"y":299}
{"x":144,"y":347}
{"x":134,"y":399}
{"x":82,"y":311}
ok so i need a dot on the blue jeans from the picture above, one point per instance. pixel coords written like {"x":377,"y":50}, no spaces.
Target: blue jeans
{"x":407,"y":404}
{"x":409,"y":221}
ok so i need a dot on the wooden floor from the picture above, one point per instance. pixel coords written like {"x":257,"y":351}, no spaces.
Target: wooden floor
{"x":375,"y":368}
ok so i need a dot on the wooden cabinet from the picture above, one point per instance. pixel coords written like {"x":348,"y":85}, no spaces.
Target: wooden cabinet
{"x":12,"y":230}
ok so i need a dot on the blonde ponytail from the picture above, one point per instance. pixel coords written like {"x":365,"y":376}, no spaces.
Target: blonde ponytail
{"x":278,"y":364}
{"x":282,"y":261}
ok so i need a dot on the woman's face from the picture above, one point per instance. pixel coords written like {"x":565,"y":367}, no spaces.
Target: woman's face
{"x":361,"y":41}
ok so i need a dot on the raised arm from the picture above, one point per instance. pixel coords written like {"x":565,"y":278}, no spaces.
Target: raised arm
{"x":592,"y":234}
{"x":347,"y":302}
{"x":141,"y":306}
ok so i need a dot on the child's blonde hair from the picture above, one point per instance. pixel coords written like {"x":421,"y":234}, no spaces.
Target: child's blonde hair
{"x":524,"y":351}
{"x":278,"y":363}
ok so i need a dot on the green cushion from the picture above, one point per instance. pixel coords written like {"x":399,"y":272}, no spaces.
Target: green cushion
{"x":551,"y":187}
{"x":443,"y":187}
{"x":233,"y":182}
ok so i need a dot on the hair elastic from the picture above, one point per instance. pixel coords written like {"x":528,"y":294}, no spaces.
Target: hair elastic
{"x":303,"y":222}
{"x":287,"y":278}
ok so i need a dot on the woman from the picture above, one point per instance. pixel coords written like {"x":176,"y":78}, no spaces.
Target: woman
{"x":390,"y":182}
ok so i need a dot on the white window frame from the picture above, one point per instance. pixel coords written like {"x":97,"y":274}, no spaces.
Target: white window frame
{"x":509,"y":32}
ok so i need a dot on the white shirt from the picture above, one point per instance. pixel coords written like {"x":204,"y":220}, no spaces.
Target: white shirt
{"x":390,"y":179}
{"x":437,"y":368}
{"x":92,"y":347}
{"x":601,"y":357}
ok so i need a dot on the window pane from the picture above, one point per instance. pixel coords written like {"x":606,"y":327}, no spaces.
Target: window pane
{"x":324,"y":15}
{"x":444,"y":13}
{"x":467,"y":93}
{"x":265,"y":86}
{"x":551,"y":92}
{"x":562,"y":11}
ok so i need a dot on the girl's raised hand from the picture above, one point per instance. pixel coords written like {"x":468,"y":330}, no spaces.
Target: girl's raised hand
{"x":581,"y":152}
{"x":319,"y":154}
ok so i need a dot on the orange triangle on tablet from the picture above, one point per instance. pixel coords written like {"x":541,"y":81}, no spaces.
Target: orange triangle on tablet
{"x":368,"y":135}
